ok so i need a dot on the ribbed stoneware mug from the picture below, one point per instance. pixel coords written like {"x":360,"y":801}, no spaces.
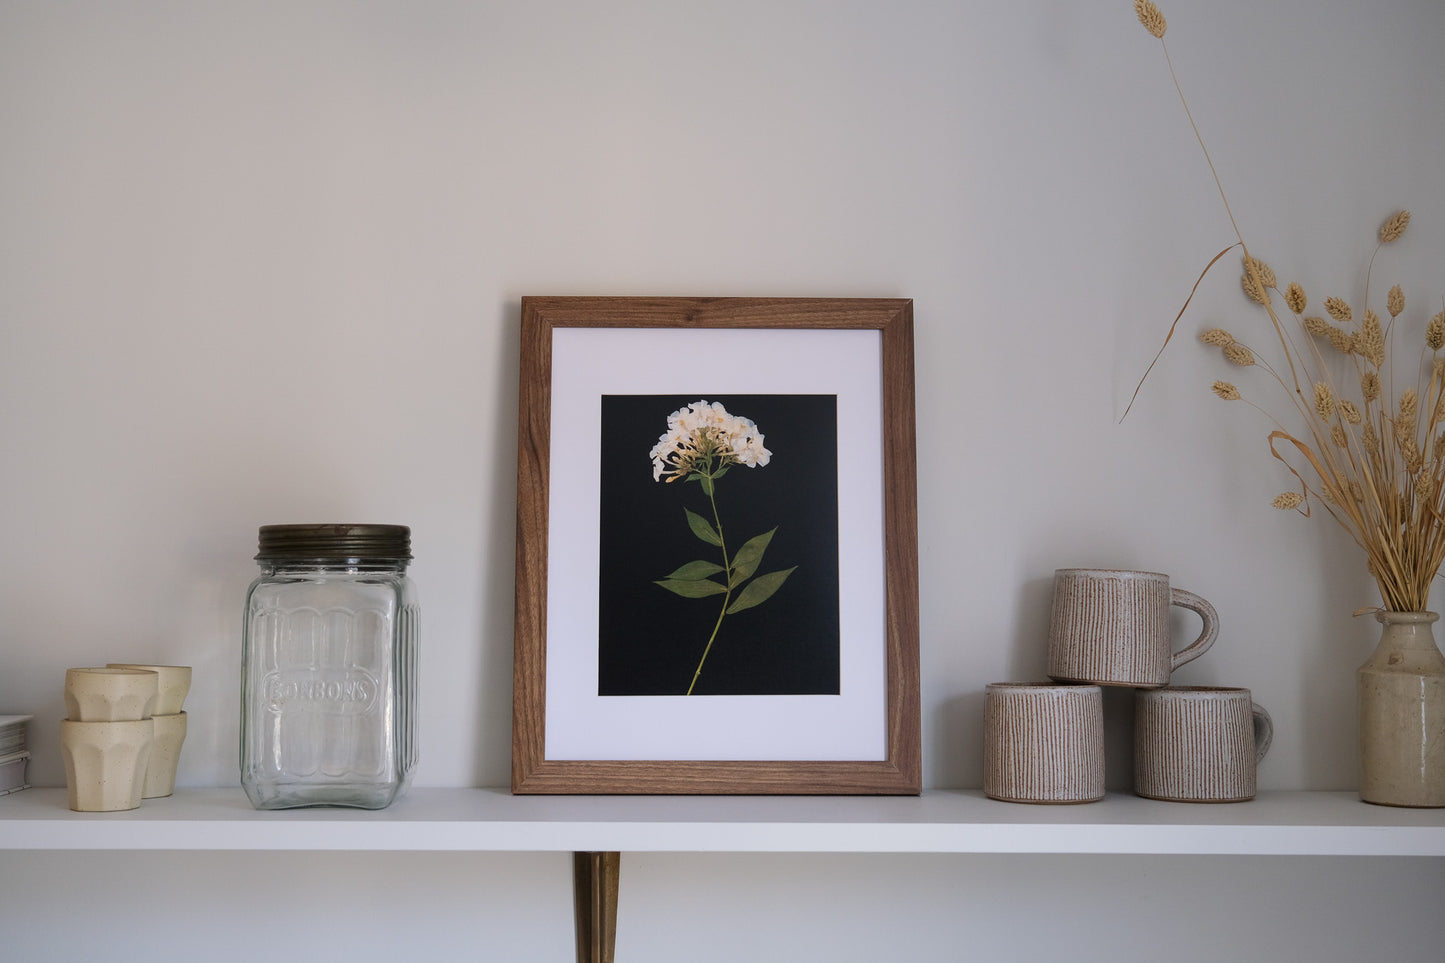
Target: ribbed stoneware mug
{"x":1111,"y":627}
{"x":1198,"y":743}
{"x":1043,"y":743}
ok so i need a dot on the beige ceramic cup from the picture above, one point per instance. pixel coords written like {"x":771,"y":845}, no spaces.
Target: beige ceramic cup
{"x":160,"y":777}
{"x":106,"y":694}
{"x":1111,"y":627}
{"x":1043,"y":743}
{"x":105,"y":763}
{"x":1198,"y":743}
{"x":174,"y":681}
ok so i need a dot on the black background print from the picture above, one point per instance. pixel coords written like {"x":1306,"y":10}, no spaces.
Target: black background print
{"x":650,"y":640}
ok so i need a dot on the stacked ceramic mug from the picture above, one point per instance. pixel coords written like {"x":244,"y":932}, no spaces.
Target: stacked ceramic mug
{"x":173,"y":682}
{"x":122,"y":735}
{"x":1045,"y":743}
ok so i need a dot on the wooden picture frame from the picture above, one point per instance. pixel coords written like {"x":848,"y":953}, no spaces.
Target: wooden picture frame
{"x":784,"y":355}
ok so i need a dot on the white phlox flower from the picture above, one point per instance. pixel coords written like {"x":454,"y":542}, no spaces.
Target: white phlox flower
{"x":703,"y":437}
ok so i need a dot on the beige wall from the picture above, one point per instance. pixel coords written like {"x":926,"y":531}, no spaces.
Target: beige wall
{"x":261,"y":262}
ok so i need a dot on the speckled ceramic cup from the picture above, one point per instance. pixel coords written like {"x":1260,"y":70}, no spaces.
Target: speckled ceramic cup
{"x":170,"y":734}
{"x":173,"y":682}
{"x":1198,"y":743}
{"x":1043,"y":743}
{"x":108,"y":694}
{"x":105,"y":763}
{"x":1111,"y":627}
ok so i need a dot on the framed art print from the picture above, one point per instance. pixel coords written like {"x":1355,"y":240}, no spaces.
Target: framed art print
{"x":716,"y":547}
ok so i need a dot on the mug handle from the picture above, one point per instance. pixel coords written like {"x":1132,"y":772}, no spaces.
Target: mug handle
{"x":1192,"y":602}
{"x":1263,"y":731}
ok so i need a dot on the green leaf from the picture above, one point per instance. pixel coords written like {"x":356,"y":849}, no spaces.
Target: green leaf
{"x":692,"y":589}
{"x":721,"y":472}
{"x":707,"y":479}
{"x":702,"y":529}
{"x":696,"y":570}
{"x":749,"y":557}
{"x":760,"y":589}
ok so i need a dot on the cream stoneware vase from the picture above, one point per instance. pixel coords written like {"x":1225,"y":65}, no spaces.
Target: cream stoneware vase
{"x":1402,"y":714}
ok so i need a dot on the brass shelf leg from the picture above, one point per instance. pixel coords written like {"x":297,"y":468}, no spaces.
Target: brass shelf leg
{"x":594,"y":900}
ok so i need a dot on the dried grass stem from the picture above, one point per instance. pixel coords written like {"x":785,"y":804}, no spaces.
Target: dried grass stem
{"x":1378,"y":468}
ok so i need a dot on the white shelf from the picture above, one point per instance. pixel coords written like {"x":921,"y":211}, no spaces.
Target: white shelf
{"x":940,"y":821}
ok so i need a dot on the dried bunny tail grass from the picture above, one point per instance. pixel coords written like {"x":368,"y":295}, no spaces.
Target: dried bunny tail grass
{"x":1254,"y":281}
{"x":1409,"y":405}
{"x":1237,"y":354}
{"x":1370,"y":341}
{"x":1405,"y":439}
{"x":1435,"y":332}
{"x":1294,"y":296}
{"x":1265,"y":272}
{"x":1287,"y":500}
{"x":1253,"y":289}
{"x":1369,"y":439}
{"x":1339,"y":310}
{"x":1394,"y":226}
{"x":1151,"y":18}
{"x":1386,"y":495}
{"x":1370,"y":386}
{"x":1410,"y":452}
{"x":1395,"y":301}
{"x":1325,"y":405}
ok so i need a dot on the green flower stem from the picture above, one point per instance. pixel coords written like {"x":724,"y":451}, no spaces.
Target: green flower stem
{"x":727,"y":573}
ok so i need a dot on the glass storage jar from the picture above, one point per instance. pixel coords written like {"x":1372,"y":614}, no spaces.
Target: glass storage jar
{"x":328,"y":681}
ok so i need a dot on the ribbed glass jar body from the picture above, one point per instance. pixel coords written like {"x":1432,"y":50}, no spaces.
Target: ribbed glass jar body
{"x":328,"y":690}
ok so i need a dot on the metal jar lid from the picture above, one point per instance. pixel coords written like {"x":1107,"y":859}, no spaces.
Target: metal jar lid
{"x":294,"y":543}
